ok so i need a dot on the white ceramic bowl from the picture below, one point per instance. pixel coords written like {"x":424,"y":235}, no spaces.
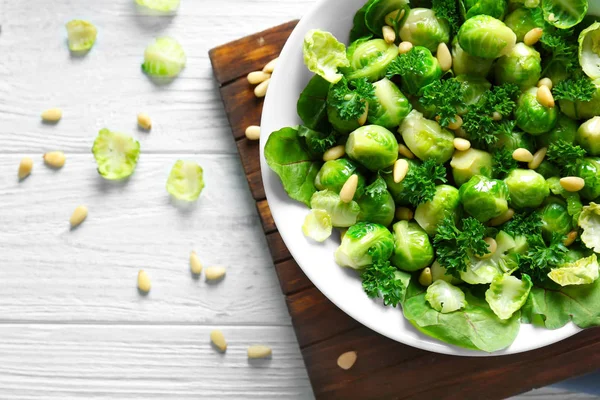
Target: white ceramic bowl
{"x":343,"y":286}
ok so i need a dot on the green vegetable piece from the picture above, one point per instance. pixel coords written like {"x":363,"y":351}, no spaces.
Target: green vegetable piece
{"x":508,"y":294}
{"x":533,"y":117}
{"x":567,"y":155}
{"x":589,"y":170}
{"x":342,"y":214}
{"x":323,"y":55}
{"x":447,"y":10}
{"x":398,"y":190}
{"x":426,"y":138}
{"x":377,"y":204}
{"x":582,"y":109}
{"x":573,"y":206}
{"x":522,"y":66}
{"x":162,"y":6}
{"x":555,"y":219}
{"x":484,"y":198}
{"x":288,"y":158}
{"x":413,"y":250}
{"x":334,"y":173}
{"x":164,"y":58}
{"x":527,"y":188}
{"x":359,"y":28}
{"x":416,"y":68}
{"x":580,"y":88}
{"x":372,"y":146}
{"x":522,"y":20}
{"x":588,"y":136}
{"x":431,"y":214}
{"x":420,"y":182}
{"x":379,"y":9}
{"x":493,"y":8}
{"x":526,"y":3}
{"x":548,"y":170}
{"x":116,"y":154}
{"x":564,"y":14}
{"x":589,"y":221}
{"x":422,"y":28}
{"x":364,"y":244}
{"x":445,"y":297}
{"x":581,"y":272}
{"x":589,"y":50}
{"x":440,"y":273}
{"x":370,"y":59}
{"x":467,"y":164}
{"x":312,"y":104}
{"x":486,"y":37}
{"x":347,"y":103}
{"x":317,"y":225}
{"x":317,"y":142}
{"x":464,"y":63}
{"x":565,"y":130}
{"x":514,"y":140}
{"x":504,"y":260}
{"x":186,"y":180}
{"x":473,"y":89}
{"x":389,"y":106}
{"x":81,"y":35}
{"x":385,"y":281}
{"x":444,"y":99}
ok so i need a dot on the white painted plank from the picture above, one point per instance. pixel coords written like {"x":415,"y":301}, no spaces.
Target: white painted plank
{"x":147,"y":362}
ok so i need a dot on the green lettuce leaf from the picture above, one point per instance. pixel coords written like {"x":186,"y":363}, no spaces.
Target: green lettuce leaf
{"x":323,"y":55}
{"x":312,"y":104}
{"x":581,"y":272}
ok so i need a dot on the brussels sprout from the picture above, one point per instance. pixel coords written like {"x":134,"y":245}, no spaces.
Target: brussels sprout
{"x":548,"y":170}
{"x":422,"y":28}
{"x":527,"y":188}
{"x":589,"y":170}
{"x":486,"y":37}
{"x":589,"y":221}
{"x":324,"y":55}
{"x":565,"y":129}
{"x":532,"y":117}
{"x":467,"y":164}
{"x":389,"y":107}
{"x":334,"y":173}
{"x":588,"y":136}
{"x":364,"y":244}
{"x":317,"y":225}
{"x":413,"y":249}
{"x":513,"y":141}
{"x":493,"y":8}
{"x":589,"y":51}
{"x":582,"y":109}
{"x":464,"y":63}
{"x":581,"y":272}
{"x":377,"y":204}
{"x":484,"y":198}
{"x":370,"y":59}
{"x":445,"y":297}
{"x":375,"y":15}
{"x":373,"y":146}
{"x":417,"y":69}
{"x":555,"y":219}
{"x":397,"y":189}
{"x":507,"y":294}
{"x":342,"y":214}
{"x":81,"y":35}
{"x":426,"y":138}
{"x":527,"y":3}
{"x":473,"y":88}
{"x":339,"y":124}
{"x":445,"y":203}
{"x":564,"y":14}
{"x":164,"y":58}
{"x":573,"y":200}
{"x":522,"y":66}
{"x":521,"y":21}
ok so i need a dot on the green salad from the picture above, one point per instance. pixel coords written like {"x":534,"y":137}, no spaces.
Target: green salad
{"x":456,"y":146}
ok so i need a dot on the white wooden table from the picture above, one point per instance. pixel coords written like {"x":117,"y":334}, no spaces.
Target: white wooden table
{"x":72,"y":324}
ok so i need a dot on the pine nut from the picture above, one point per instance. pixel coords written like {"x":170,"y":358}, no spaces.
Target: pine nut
{"x":363,"y":118}
{"x":218,"y":339}
{"x":538,"y":157}
{"x":270,"y":67}
{"x":195,"y":264}
{"x":253,"y":132}
{"x":404,"y":214}
{"x":405,"y":152}
{"x":261,"y":90}
{"x":400,"y":170}
{"x":404,"y":47}
{"x":143,"y":281}
{"x":499,"y":220}
{"x":52,"y":115}
{"x":544,"y":96}
{"x":214,"y":273}
{"x":492,"y":247}
{"x":545,"y":82}
{"x":461,"y":144}
{"x":533,"y":36}
{"x":570,"y":238}
{"x":25,"y":167}
{"x":395,"y":16}
{"x":334,"y":153}
{"x":572,"y":183}
{"x":144,"y":121}
{"x":426,"y":279}
{"x":496,"y":116}
{"x":349,"y":189}
{"x":256,"y":77}
{"x":522,"y":155}
{"x":388,"y":34}
{"x":444,"y":57}
{"x":259,"y":351}
{"x":55,"y":159}
{"x":78,"y":216}
{"x":457,"y":123}
{"x":347,"y":360}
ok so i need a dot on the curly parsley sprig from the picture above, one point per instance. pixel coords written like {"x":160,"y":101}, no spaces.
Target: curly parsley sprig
{"x":421,"y":180}
{"x":540,"y":258}
{"x":574,"y":89}
{"x":448,"y":10}
{"x":380,"y":280}
{"x":565,"y":155}
{"x":350,"y":98}
{"x":446,"y":97}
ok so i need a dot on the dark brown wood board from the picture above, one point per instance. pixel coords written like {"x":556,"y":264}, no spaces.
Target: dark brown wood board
{"x":385,"y":369}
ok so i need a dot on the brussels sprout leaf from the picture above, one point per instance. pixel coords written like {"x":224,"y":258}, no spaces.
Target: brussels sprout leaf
{"x":186,"y":180}
{"x":445,"y":297}
{"x":317,"y":225}
{"x":323,"y":55}
{"x":446,"y":97}
{"x":566,"y":155}
{"x":589,"y":221}
{"x":507,"y":294}
{"x":421,"y":181}
{"x":579,"y":89}
{"x":116,"y":154}
{"x":385,"y":281}
{"x":350,"y":98}
{"x":580,"y":272}
{"x":448,"y":10}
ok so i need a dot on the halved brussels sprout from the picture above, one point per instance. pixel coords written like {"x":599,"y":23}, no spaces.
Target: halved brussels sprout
{"x":474,"y":87}
{"x":507,"y":294}
{"x":426,"y":138}
{"x":493,"y":8}
{"x":364,"y":244}
{"x":372,"y":146}
{"x":397,"y":189}
{"x":589,"y":170}
{"x":186,"y":180}
{"x":486,"y":37}
{"x":413,"y":250}
{"x":317,"y":225}
{"x":581,"y":272}
{"x":116,"y":154}
{"x":422,"y":28}
{"x":527,"y":188}
{"x":555,"y":219}
{"x":445,"y":203}
{"x":565,"y":129}
{"x":334,"y":173}
{"x":378,"y":10}
{"x":81,"y":35}
{"x":572,"y":201}
{"x":564,"y":14}
{"x":588,"y":136}
{"x":483,"y":270}
{"x":548,"y":169}
{"x":467,"y":164}
{"x":484,"y":198}
{"x":582,"y":109}
{"x":377,"y":204}
{"x":164,"y":58}
{"x":370,"y":59}
{"x":589,"y":221}
{"x":522,"y":66}
{"x":342,"y":214}
{"x":521,"y":21}
{"x":464,"y":63}
{"x":515,"y":140}
{"x":589,"y":50}
{"x":533,"y":117}
{"x":324,"y":55}
{"x":389,"y":107}
{"x":445,"y":297}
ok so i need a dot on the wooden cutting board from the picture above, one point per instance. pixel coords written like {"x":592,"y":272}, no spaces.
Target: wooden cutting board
{"x":385,"y":369}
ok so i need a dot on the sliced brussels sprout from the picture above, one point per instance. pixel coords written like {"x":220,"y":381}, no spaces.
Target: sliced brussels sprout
{"x":372,"y":146}
{"x":588,"y":136}
{"x":324,"y":55}
{"x":397,"y":189}
{"x":589,"y":170}
{"x":507,"y":294}
{"x":483,"y":270}
{"x":334,"y":173}
{"x":426,"y":138}
{"x":589,"y":50}
{"x":377,"y":204}
{"x":81,"y":35}
{"x":370,"y":59}
{"x":522,"y":66}
{"x":467,"y":164}
{"x":116,"y":154}
{"x":484,"y":198}
{"x":364,"y":244}
{"x":522,"y":20}
{"x":589,"y":221}
{"x":186,"y":180}
{"x":533,"y":117}
{"x":473,"y":88}
{"x":422,"y":28}
{"x":555,"y":219}
{"x":342,"y":214}
{"x":378,"y":10}
{"x":445,"y":203}
{"x":317,"y":225}
{"x":465,"y":64}
{"x":445,"y":297}
{"x":582,"y":109}
{"x":581,"y":272}
{"x":389,"y":107}
{"x":527,"y":188}
{"x":493,"y":8}
{"x":486,"y":37}
{"x":565,"y":129}
{"x":164,"y":58}
{"x":413,"y":250}
{"x":162,"y":6}
{"x":564,"y":14}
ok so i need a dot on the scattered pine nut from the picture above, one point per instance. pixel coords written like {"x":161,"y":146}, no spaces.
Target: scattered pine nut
{"x":78,"y":216}
{"x":388,"y":34}
{"x":404,"y":214}
{"x":347,"y":360}
{"x":496,"y":116}
{"x":394,"y":17}
{"x":349,"y":189}
{"x":533,"y":36}
{"x":492,"y":247}
{"x":270,"y":67}
{"x":52,"y":115}
{"x":55,"y":159}
{"x":143,"y":281}
{"x":334,"y":153}
{"x":544,"y":96}
{"x":363,"y":118}
{"x":522,"y":155}
{"x":538,"y":157}
{"x":426,"y":279}
{"x":405,"y":151}
{"x":499,"y":220}
{"x":259,"y":351}
{"x":444,"y":57}
{"x":144,"y":121}
{"x":570,"y":238}
{"x":400,"y":170}
{"x":404,"y":47}
{"x":461,"y":144}
{"x":458,"y":121}
{"x":261,"y":90}
{"x":572,"y":183}
{"x":25,"y":167}
{"x":253,"y":132}
{"x":545,"y":82}
{"x":217,"y":338}
{"x":256,"y":77}
{"x":214,"y":273}
{"x":195,"y":264}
